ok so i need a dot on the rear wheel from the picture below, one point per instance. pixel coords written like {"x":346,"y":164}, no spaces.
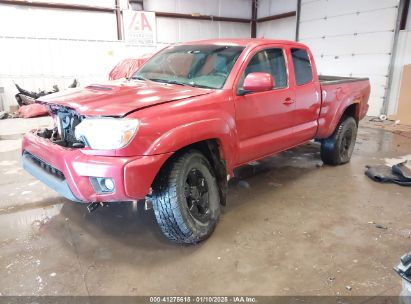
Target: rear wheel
{"x":337,"y":149}
{"x":186,"y":199}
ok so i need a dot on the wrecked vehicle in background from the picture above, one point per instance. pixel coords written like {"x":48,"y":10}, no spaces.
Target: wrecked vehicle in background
{"x":25,"y":97}
{"x":173,"y":133}
{"x":27,"y":101}
{"x":127,"y":67}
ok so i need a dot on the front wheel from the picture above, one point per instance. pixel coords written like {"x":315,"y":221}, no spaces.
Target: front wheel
{"x":186,"y":199}
{"x":337,"y":149}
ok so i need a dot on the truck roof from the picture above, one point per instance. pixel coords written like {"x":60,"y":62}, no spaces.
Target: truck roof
{"x":246,"y":42}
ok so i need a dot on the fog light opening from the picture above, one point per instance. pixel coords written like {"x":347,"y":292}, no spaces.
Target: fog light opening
{"x":103,"y":184}
{"x":108,"y":184}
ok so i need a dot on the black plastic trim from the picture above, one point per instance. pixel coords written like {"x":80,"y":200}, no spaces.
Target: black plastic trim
{"x":57,"y":182}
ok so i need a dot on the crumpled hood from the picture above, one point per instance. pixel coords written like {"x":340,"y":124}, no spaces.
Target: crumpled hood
{"x":117,"y":98}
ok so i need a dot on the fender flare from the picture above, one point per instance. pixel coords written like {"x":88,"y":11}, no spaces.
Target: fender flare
{"x":196,"y":131}
{"x":349,"y":101}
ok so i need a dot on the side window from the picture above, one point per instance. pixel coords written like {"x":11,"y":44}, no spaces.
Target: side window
{"x":270,"y":61}
{"x":302,"y":66}
{"x":279,"y":69}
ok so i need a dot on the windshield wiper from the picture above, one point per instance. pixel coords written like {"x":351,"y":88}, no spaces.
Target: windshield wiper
{"x":168,"y":81}
{"x":140,"y":78}
{"x":191,"y":84}
{"x":200,"y":85}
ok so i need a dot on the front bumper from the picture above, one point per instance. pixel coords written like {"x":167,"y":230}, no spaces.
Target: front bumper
{"x":68,"y":171}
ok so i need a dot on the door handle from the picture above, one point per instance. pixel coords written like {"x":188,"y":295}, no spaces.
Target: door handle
{"x":288,"y":101}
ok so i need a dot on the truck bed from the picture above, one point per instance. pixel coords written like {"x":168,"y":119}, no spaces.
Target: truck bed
{"x":326,"y":79}
{"x":338,"y":93}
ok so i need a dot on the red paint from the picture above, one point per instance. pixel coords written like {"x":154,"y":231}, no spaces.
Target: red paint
{"x":33,"y":110}
{"x":258,"y":82}
{"x":139,"y":24}
{"x":144,"y":23}
{"x":118,"y":98}
{"x":247,"y":127}
{"x":127,"y":67}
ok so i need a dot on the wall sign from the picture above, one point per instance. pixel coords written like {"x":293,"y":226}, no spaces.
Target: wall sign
{"x":140,"y":28}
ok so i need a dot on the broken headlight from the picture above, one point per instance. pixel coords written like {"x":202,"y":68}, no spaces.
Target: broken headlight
{"x":106,"y":133}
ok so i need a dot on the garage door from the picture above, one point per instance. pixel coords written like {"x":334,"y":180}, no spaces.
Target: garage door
{"x":352,"y":38}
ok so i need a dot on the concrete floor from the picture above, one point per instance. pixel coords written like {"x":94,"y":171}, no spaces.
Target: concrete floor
{"x":291,"y":227}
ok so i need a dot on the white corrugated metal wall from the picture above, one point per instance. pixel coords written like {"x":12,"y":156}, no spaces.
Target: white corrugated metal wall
{"x":24,"y":21}
{"x":41,"y":46}
{"x":35,"y":63}
{"x":171,"y":30}
{"x":352,"y":38}
{"x":276,"y":29}
{"x":349,"y":38}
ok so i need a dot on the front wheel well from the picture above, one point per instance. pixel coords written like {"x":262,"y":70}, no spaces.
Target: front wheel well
{"x":212,"y":150}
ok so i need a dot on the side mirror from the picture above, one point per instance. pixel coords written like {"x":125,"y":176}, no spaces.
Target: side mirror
{"x":258,"y":82}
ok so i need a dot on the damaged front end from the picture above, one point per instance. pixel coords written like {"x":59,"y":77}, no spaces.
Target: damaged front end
{"x":73,"y":130}
{"x":71,"y":157}
{"x":63,"y":131}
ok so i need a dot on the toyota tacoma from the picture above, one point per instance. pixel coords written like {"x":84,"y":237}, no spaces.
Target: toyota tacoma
{"x":173,"y":133}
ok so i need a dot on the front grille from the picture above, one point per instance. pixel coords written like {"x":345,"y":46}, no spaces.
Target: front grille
{"x":45,"y":166}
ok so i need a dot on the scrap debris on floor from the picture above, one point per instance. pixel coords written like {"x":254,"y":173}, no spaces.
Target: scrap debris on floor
{"x":6,"y":115}
{"x":25,"y":97}
{"x":27,"y":106}
{"x":394,"y":126}
{"x":398,"y":174}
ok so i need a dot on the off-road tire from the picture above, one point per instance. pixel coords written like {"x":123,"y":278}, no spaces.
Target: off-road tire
{"x":337,"y":149}
{"x":171,"y":205}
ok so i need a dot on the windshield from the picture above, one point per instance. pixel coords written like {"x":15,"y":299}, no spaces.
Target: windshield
{"x":206,"y":66}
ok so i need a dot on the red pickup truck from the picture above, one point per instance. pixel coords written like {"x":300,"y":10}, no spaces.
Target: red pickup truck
{"x":173,"y":133}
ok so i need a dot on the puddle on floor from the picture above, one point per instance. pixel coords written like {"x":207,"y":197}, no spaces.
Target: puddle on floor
{"x":26,"y":223}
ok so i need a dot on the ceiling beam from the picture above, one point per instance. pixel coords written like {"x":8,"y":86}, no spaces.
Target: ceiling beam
{"x":277,"y":17}
{"x":58,"y":5}
{"x":195,"y":16}
{"x":228,"y":19}
{"x":201,"y":17}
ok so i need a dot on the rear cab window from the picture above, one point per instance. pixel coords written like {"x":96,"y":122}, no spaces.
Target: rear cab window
{"x":271,"y":61}
{"x":302,"y":66}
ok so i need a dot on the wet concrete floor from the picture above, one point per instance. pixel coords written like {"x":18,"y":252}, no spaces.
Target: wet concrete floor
{"x":291,"y":227}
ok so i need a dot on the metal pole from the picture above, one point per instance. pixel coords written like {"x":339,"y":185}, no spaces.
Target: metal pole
{"x":253,"y":18}
{"x":297,"y":26}
{"x":119,"y":20}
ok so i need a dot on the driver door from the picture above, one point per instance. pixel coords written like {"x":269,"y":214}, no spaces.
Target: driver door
{"x":265,"y":119}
